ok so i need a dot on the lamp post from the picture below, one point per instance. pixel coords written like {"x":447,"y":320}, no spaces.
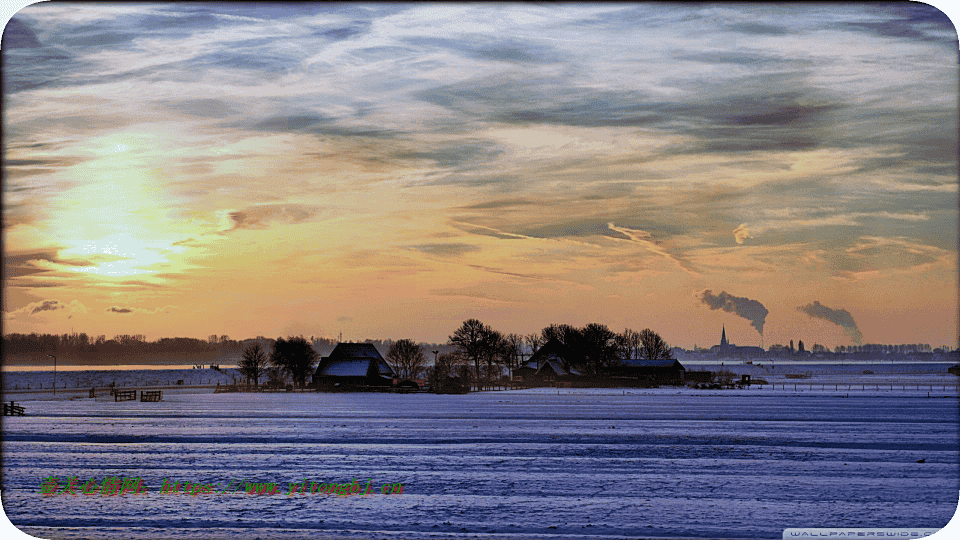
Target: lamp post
{"x":54,"y":373}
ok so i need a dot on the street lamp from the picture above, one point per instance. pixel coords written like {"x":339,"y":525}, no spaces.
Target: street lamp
{"x":54,"y":373}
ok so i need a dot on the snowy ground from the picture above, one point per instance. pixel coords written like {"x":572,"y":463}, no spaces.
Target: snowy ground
{"x":539,"y":463}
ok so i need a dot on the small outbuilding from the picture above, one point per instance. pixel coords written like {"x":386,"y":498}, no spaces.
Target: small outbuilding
{"x":353,"y":365}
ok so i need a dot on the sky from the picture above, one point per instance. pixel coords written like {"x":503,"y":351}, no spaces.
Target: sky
{"x":786,"y":172}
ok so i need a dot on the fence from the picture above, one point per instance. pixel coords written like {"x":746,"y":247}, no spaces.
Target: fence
{"x":151,"y":395}
{"x":124,"y":395}
{"x":12,"y":409}
{"x":862,"y":386}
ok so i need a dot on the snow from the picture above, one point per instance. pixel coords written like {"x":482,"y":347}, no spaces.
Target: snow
{"x":537,"y":463}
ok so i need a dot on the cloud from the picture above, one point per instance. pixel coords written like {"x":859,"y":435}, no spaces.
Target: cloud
{"x":839,"y":317}
{"x":319,"y":125}
{"x":17,"y":35}
{"x":257,"y":216}
{"x":127,"y":310}
{"x":445,"y":250}
{"x":911,"y":21}
{"x":741,"y":233}
{"x":758,"y":29}
{"x":749,"y":309}
{"x":47,"y":307}
{"x":646,"y":240}
{"x":484,"y":47}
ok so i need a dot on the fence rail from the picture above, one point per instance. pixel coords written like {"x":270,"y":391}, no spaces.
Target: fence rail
{"x":862,"y":386}
{"x":13,"y":409}
{"x":124,"y":395}
{"x":151,"y":395}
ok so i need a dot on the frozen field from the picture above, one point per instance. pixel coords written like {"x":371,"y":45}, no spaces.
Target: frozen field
{"x":540,"y":463}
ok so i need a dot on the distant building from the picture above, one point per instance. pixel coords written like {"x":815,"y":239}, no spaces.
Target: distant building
{"x":662,"y":371}
{"x":550,"y":364}
{"x":726,"y":349}
{"x":351,"y":365}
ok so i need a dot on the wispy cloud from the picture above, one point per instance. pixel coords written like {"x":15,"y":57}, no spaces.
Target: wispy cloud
{"x":122,"y":310}
{"x":646,"y":240}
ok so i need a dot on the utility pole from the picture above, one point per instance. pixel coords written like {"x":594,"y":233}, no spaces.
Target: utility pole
{"x":54,"y":374}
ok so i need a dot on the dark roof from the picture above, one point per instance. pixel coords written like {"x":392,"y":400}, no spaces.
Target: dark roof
{"x":344,"y":367}
{"x":355,"y":350}
{"x":659,"y":362}
{"x":354,"y":360}
{"x":557,"y":367}
{"x":552,"y":349}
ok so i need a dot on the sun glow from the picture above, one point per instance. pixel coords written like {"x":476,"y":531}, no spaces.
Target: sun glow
{"x":115,"y":221}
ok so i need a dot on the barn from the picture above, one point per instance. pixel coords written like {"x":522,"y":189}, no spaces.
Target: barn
{"x":353,"y":365}
{"x":666,"y":371}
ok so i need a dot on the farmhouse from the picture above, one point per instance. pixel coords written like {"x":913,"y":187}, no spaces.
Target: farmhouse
{"x":550,"y":364}
{"x":353,"y":365}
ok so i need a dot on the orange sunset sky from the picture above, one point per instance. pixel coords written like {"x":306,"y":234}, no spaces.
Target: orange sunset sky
{"x":388,"y":171}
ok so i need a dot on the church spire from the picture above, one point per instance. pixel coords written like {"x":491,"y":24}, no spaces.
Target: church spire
{"x":723,"y":337}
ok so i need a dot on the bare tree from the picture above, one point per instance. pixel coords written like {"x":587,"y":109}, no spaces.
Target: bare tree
{"x":254,"y":363}
{"x":534,"y":341}
{"x":628,"y":344}
{"x":513,"y":349}
{"x":406,"y":358}
{"x":471,"y":340}
{"x":653,"y":347}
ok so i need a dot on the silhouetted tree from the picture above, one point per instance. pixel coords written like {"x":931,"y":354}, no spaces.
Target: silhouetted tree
{"x":628,"y":344}
{"x":295,"y":356}
{"x":473,"y":340}
{"x":599,"y":347}
{"x":572,"y":338}
{"x":495,"y":353}
{"x":534,"y":341}
{"x":406,"y":358}
{"x":448,"y":365}
{"x":254,"y":363}
{"x":653,"y":347}
{"x":513,"y":349}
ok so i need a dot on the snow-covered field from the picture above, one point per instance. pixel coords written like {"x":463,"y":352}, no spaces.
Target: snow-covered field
{"x":539,"y":463}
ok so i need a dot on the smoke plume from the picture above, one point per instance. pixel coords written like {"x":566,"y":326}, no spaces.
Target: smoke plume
{"x":750,"y":310}
{"x":839,"y":317}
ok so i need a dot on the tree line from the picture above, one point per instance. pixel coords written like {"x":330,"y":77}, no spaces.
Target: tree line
{"x":483,"y":355}
{"x":476,"y":354}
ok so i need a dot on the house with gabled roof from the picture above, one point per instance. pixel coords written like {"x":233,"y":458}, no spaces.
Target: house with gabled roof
{"x":550,"y":364}
{"x":353,"y":365}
